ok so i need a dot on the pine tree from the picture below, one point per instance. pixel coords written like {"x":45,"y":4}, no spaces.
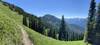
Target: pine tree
{"x":40,"y":26}
{"x":54,"y":34}
{"x":91,"y":20}
{"x":97,"y":28}
{"x":24,"y":20}
{"x":50,"y":33}
{"x":63,"y":35}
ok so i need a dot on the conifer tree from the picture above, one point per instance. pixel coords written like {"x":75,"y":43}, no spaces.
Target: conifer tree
{"x":24,"y":20}
{"x":90,"y":23}
{"x":97,"y":28}
{"x":63,"y":35}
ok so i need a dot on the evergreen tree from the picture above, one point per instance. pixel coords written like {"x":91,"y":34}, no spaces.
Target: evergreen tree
{"x":50,"y":33}
{"x":54,"y":34}
{"x":97,"y":28}
{"x":91,"y":20}
{"x":24,"y":20}
{"x":63,"y":35}
{"x":40,"y":26}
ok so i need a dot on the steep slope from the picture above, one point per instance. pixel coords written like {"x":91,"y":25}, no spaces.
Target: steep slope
{"x":10,"y":31}
{"x":10,"y":34}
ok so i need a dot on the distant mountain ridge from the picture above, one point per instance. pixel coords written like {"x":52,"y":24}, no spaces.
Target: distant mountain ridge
{"x":77,"y":21}
{"x":56,"y":22}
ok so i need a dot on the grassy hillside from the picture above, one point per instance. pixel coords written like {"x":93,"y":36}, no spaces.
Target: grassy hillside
{"x":10,"y":33}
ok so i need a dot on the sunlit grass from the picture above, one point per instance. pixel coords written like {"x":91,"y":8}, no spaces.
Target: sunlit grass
{"x":39,"y":39}
{"x":10,"y":34}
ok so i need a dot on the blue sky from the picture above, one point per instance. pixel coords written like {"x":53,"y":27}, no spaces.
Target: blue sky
{"x":68,"y":8}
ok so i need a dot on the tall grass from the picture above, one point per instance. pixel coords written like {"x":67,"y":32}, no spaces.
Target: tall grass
{"x":10,"y":34}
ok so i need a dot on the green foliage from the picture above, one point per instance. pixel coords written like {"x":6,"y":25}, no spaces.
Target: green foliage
{"x":63,"y":34}
{"x":91,"y":21}
{"x":98,"y":9}
{"x":97,"y":28}
{"x":24,"y":20}
{"x":45,"y":32}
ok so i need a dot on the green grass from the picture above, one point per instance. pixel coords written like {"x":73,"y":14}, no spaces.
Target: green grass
{"x":39,"y":39}
{"x":10,"y":33}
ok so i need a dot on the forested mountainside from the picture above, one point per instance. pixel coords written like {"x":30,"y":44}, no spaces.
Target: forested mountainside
{"x":42,"y":26}
{"x":70,"y":22}
{"x":13,"y":19}
{"x":55,"y":22}
{"x":11,"y":24}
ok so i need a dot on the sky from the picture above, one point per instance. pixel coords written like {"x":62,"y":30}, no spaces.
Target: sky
{"x":68,"y":8}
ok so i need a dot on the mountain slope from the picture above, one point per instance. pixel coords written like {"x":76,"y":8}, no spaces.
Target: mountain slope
{"x":56,"y":22}
{"x":10,"y":31}
{"x":11,"y":28}
{"x":77,"y":21}
{"x":52,"y":21}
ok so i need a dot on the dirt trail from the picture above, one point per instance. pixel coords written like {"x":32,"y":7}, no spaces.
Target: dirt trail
{"x":25,"y":38}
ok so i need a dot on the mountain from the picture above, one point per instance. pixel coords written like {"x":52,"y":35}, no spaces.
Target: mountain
{"x":77,"y":21}
{"x":56,"y":22}
{"x":51,"y":20}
